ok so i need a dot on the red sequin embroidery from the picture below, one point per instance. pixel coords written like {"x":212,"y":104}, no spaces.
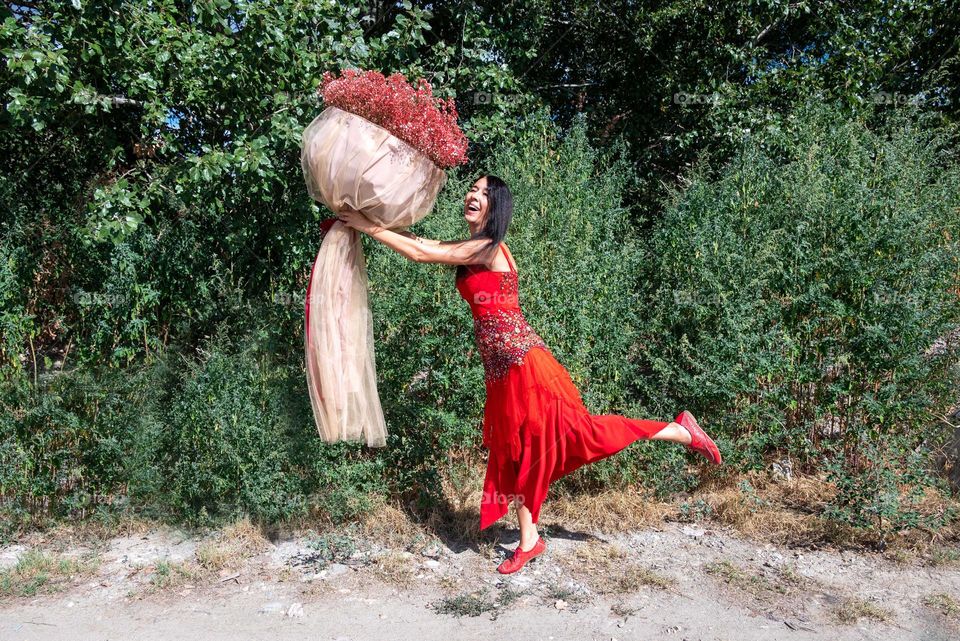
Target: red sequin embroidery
{"x":503,"y":335}
{"x":504,"y":338}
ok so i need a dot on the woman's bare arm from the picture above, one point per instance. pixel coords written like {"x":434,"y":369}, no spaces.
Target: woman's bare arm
{"x":419,"y":239}
{"x":452,"y":252}
{"x":421,"y":250}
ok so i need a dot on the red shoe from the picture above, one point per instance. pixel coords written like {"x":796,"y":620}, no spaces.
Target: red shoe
{"x":519,"y":558}
{"x":699,"y":442}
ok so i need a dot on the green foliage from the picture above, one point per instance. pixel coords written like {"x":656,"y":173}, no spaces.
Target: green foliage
{"x":63,"y":442}
{"x":154,"y":203}
{"x":346,"y":483}
{"x":224,"y":449}
{"x":886,"y":494}
{"x":694,"y":510}
{"x":333,"y":547}
{"x":231,"y":430}
{"x":150,"y":154}
{"x":797,"y":294}
{"x":679,"y":77}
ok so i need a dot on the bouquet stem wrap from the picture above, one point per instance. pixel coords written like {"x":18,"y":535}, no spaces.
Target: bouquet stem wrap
{"x":348,"y":160}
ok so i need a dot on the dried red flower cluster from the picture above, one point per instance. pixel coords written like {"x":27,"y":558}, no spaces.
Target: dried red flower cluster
{"x":412,"y":114}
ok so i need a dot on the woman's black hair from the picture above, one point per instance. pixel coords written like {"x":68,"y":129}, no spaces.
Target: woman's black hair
{"x":499,"y":213}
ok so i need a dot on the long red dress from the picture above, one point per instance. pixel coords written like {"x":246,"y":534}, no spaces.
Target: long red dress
{"x":535,"y":424}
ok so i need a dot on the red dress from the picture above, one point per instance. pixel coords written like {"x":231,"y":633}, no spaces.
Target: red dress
{"x":535,"y":424}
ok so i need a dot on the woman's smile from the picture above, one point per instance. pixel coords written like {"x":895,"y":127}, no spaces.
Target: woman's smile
{"x":475,"y":203}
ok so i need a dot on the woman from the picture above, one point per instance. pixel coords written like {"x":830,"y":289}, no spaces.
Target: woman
{"x":535,"y":426}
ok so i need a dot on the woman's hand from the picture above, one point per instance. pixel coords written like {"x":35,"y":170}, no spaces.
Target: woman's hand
{"x":354,"y":219}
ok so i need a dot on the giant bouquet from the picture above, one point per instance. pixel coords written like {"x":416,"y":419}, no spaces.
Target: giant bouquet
{"x":380,"y":146}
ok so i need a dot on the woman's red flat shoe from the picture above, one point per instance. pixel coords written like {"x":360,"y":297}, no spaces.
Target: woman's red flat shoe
{"x":519,"y":558}
{"x":699,"y":442}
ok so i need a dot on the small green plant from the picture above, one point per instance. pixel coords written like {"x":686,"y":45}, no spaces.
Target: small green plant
{"x":754,"y":500}
{"x":782,"y":581}
{"x":884,"y":490}
{"x":694,"y":511}
{"x":944,"y":556}
{"x":333,"y":547}
{"x":623,"y":610}
{"x":171,"y":574}
{"x":555,"y":592}
{"x":39,"y":572}
{"x":508,"y":596}
{"x":477,"y":602}
{"x":471,"y":604}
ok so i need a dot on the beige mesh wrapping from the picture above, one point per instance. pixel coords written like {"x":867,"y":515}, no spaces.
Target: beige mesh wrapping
{"x":348,"y":160}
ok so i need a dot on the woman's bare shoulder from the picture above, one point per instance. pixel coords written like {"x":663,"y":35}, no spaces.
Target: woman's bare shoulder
{"x":498,"y":261}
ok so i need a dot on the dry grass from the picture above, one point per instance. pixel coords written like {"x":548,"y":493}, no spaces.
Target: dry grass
{"x":395,"y":526}
{"x":900,"y":556}
{"x":450,"y":582}
{"x":62,"y":536}
{"x":783,"y":512}
{"x":395,"y":568}
{"x":391,"y":527}
{"x":609,"y":511}
{"x":39,"y":572}
{"x":766,"y":509}
{"x":854,"y":609}
{"x":754,"y":504}
{"x":231,"y":546}
{"x":608,"y":569}
{"x":782,"y":581}
{"x":944,"y":604}
{"x":169,"y":575}
{"x":226,"y":551}
{"x":940,"y":556}
{"x":778,"y":511}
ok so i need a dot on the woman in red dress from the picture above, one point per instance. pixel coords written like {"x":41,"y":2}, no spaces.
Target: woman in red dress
{"x":535,"y":424}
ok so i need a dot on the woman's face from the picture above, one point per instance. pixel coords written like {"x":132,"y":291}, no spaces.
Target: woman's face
{"x":476,"y":203}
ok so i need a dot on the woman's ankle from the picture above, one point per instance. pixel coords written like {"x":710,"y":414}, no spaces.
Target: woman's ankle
{"x":683,"y":434}
{"x":527,"y":543}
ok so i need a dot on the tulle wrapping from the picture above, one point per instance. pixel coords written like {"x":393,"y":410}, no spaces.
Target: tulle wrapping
{"x":340,"y":361}
{"x":348,"y":160}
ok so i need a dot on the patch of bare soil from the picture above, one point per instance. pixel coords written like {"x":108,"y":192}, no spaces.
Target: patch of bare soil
{"x":700,"y":580}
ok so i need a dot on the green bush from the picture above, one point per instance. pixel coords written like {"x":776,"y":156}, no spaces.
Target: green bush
{"x":63,"y":443}
{"x":149,"y":197}
{"x":224,"y":449}
{"x":786,"y":299}
{"x":792,"y":298}
{"x":884,"y":494}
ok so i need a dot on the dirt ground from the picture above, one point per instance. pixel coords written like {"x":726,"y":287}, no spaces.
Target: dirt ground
{"x":681,"y":581}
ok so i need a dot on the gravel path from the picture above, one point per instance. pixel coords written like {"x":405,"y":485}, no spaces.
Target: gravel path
{"x":679,"y":581}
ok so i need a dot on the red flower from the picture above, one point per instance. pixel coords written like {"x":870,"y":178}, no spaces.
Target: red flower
{"x":414,"y":115}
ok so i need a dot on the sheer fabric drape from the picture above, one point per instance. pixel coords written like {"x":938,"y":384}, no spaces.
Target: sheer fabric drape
{"x":348,"y":160}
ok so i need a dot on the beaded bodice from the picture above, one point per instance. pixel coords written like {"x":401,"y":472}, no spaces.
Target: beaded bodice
{"x":502,"y":333}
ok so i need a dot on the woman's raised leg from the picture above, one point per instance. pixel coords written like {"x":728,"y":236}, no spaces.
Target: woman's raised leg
{"x":673,"y":432}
